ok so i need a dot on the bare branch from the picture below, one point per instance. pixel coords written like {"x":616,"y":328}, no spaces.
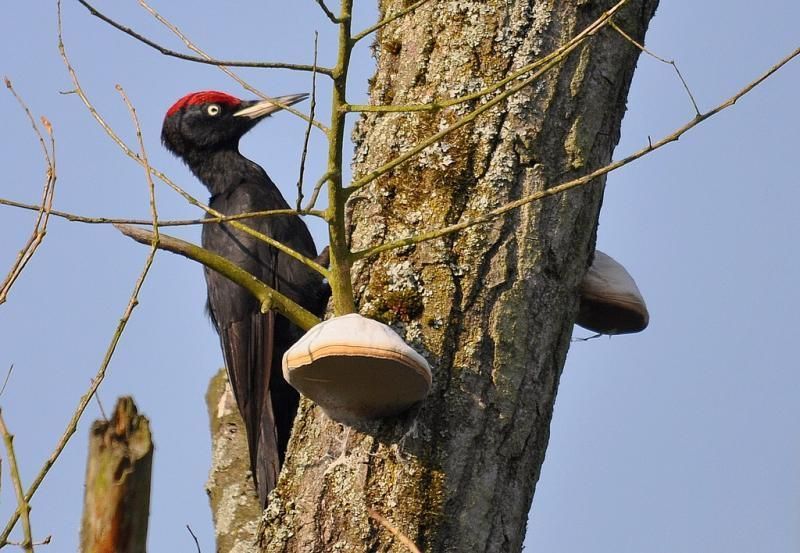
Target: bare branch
{"x":340,"y":274}
{"x":402,"y":538}
{"x":387,"y":20}
{"x":145,"y":163}
{"x":196,"y":543}
{"x":100,"y":405}
{"x":308,"y":129}
{"x":328,"y":13}
{"x":196,"y":59}
{"x":652,"y":146}
{"x":8,"y":377}
{"x":48,"y":191}
{"x":22,"y":503}
{"x":641,"y":47}
{"x":592,"y":337}
{"x":270,"y":298}
{"x":312,"y":201}
{"x":75,"y":218}
{"x":247,"y":86}
{"x":45,"y":541}
{"x":32,"y":119}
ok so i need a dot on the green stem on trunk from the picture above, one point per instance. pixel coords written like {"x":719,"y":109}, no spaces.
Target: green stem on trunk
{"x":341,"y":257}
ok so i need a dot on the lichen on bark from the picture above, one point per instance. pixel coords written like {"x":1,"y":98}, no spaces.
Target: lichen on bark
{"x":232,"y":495}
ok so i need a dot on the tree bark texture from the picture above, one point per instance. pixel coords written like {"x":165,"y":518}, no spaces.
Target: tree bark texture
{"x":231,"y":492}
{"x":117,"y":499}
{"x":491,"y":308}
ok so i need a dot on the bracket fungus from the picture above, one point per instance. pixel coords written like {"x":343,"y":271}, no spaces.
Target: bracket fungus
{"x":610,"y":301}
{"x":357,"y":368}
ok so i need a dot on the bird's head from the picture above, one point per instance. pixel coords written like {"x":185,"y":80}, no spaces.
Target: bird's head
{"x":210,"y":120}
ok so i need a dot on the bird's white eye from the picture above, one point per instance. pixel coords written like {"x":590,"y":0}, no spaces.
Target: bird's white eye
{"x":213,"y":110}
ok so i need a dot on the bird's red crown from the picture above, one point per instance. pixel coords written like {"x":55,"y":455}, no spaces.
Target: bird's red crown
{"x":204,"y":97}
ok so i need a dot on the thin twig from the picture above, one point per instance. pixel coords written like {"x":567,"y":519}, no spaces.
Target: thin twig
{"x":100,"y":406}
{"x":160,"y":175}
{"x":196,"y":59}
{"x":328,"y":13}
{"x":247,"y":86}
{"x":641,"y":47}
{"x":574,"y":183}
{"x":48,"y":191}
{"x":5,"y":381}
{"x":308,"y":129}
{"x":75,"y":218}
{"x":402,"y":538}
{"x":196,"y":542}
{"x":312,"y":201}
{"x":145,"y":163}
{"x":151,"y":188}
{"x":554,"y":60}
{"x":45,"y":541}
{"x":22,"y":503}
{"x":32,"y":120}
{"x":387,"y":20}
{"x":587,"y":338}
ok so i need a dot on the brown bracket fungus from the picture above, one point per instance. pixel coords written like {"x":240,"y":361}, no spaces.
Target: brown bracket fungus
{"x":610,"y":301}
{"x":357,"y":368}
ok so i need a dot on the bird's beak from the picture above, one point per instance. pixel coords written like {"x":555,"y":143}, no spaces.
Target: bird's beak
{"x":262,"y":108}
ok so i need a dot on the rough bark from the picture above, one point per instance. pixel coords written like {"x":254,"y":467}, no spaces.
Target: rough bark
{"x":117,"y":499}
{"x":492,"y":308}
{"x":234,"y":503}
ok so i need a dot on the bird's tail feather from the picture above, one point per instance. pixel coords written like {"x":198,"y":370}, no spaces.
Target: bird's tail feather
{"x":250,"y":357}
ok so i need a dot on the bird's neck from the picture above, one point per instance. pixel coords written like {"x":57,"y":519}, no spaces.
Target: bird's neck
{"x":220,"y":170}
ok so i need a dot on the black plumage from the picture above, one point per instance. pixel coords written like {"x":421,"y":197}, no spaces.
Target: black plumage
{"x":204,"y":129}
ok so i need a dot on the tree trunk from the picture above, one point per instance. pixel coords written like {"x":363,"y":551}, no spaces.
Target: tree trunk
{"x":117,"y":499}
{"x":234,"y":504}
{"x":492,"y":308}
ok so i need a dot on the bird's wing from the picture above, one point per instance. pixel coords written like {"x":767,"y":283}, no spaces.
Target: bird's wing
{"x":253,"y":343}
{"x":248,"y":346}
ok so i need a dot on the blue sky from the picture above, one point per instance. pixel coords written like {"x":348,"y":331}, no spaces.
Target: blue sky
{"x":681,"y":439}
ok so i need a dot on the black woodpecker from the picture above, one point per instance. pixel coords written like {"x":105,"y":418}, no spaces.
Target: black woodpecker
{"x":203,"y":129}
